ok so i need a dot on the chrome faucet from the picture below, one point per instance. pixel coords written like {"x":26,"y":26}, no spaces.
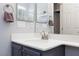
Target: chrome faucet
{"x":44,"y":35}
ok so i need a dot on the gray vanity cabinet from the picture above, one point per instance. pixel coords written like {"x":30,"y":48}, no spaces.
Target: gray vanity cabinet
{"x":21,"y":50}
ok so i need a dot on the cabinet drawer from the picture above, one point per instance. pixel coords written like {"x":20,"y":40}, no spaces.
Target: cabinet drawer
{"x":17,"y":46}
{"x":31,"y":52}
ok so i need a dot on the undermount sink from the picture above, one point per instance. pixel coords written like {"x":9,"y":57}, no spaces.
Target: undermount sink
{"x":37,"y":39}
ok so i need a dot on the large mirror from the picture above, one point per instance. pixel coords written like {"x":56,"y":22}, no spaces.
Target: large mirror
{"x":56,"y":18}
{"x":36,"y":13}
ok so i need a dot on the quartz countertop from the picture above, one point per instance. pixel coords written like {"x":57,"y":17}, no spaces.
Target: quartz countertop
{"x":35,"y":41}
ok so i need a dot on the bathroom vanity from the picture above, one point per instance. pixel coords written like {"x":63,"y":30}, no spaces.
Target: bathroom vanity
{"x":57,"y":45}
{"x":21,"y":50}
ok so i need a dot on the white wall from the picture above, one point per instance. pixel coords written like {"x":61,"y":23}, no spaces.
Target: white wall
{"x":5,"y":29}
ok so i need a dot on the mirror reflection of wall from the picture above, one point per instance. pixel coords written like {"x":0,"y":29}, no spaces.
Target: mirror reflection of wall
{"x":64,"y":17}
{"x":25,"y":11}
{"x":42,"y":12}
{"x":38,"y":14}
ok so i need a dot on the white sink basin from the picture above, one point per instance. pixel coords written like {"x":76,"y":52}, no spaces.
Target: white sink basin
{"x":42,"y":44}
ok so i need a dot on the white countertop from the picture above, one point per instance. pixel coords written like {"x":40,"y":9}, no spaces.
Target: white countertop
{"x":35,"y":41}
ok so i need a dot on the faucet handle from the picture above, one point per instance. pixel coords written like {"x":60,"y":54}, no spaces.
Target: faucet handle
{"x":46,"y":35}
{"x":42,"y":34}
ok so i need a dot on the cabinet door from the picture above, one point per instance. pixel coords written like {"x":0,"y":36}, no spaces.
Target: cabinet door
{"x":30,"y":52}
{"x":16,"y":49}
{"x":16,"y":52}
{"x":71,"y":51}
{"x":58,"y":51}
